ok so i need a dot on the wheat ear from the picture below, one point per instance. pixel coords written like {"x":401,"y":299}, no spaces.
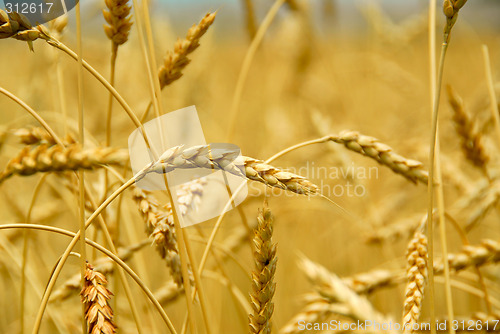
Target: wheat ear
{"x":117,"y":15}
{"x":43,"y":158}
{"x":472,"y":141}
{"x":203,"y":156}
{"x":317,"y":309}
{"x":38,"y":135}
{"x":17,"y":26}
{"x":416,"y":277}
{"x":487,"y":252}
{"x":383,"y":154}
{"x":176,"y":61}
{"x":95,"y":297}
{"x":263,"y":285}
{"x":451,"y":9}
{"x":160,"y":221}
{"x":343,"y":300}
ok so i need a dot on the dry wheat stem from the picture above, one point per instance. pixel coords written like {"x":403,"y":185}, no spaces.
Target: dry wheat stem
{"x":95,"y":297}
{"x":176,"y":61}
{"x":472,"y":141}
{"x":43,"y":158}
{"x":263,"y":285}
{"x":416,"y":280}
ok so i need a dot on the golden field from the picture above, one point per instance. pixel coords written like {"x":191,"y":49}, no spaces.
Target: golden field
{"x":354,"y":203}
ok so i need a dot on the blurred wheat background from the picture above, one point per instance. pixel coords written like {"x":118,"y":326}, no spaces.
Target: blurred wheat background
{"x":354,"y":71}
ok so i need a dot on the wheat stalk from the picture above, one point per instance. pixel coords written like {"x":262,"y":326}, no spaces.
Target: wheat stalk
{"x":416,"y":277}
{"x":117,"y":15}
{"x":176,"y":61}
{"x":95,"y":297}
{"x":203,"y":156}
{"x":472,"y":141}
{"x":263,"y":286}
{"x":43,"y":158}
{"x":383,"y":154}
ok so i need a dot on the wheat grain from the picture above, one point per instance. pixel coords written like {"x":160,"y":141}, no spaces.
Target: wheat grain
{"x":43,"y":158}
{"x":263,"y":285}
{"x":176,"y":61}
{"x":117,"y":15}
{"x":416,"y":279}
{"x":95,"y":297}
{"x":472,"y":141}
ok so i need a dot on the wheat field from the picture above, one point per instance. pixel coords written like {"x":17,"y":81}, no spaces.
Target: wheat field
{"x":369,"y":150}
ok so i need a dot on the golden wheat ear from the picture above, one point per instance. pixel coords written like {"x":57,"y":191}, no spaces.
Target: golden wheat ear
{"x":263,"y":285}
{"x":176,"y":61}
{"x":119,"y":20}
{"x":95,"y":297}
{"x":416,"y":276}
